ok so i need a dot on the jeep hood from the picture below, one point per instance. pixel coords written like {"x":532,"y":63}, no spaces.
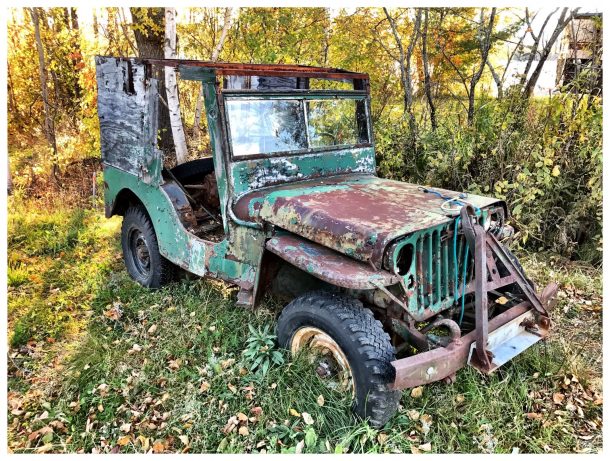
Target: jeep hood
{"x":357,"y":215}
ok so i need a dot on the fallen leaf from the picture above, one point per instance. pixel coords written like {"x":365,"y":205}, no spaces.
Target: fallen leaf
{"x":114,"y":313}
{"x":126,"y":427}
{"x":425,"y":447}
{"x":459,"y":398}
{"x":502,"y":300}
{"x":136,"y":348}
{"x":321,"y":400}
{"x":242,"y":417}
{"x":426,"y":421}
{"x":227,"y":363}
{"x":204,"y":386}
{"x":184,"y":439}
{"x":124,"y":440}
{"x":158,"y":446}
{"x":307,"y":418}
{"x":231,"y":424}
{"x":212,"y":328}
{"x":413,"y":415}
{"x":243,"y":430}
{"x":417,"y":392}
{"x":382,"y":438}
{"x":103,"y":389}
{"x":558,"y":398}
{"x":533,"y":416}
{"x":256,"y":411}
{"x":415,"y":450}
{"x":293,"y":412}
{"x":174,"y":364}
{"x":299,"y":448}
{"x":45,"y":448}
{"x":144,"y":442}
{"x":232,"y":388}
{"x":570,"y":406}
{"x":152,"y":329}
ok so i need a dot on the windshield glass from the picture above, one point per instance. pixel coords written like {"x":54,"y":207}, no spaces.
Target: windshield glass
{"x":264,"y":126}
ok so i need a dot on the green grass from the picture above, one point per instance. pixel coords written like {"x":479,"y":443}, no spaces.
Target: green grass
{"x":92,"y":352}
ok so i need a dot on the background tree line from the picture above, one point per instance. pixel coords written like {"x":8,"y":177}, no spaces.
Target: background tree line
{"x":445,"y":107}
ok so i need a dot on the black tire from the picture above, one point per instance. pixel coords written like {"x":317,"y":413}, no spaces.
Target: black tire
{"x":361,"y":338}
{"x":141,"y":250}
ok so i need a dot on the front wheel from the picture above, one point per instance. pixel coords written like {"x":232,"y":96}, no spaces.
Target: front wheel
{"x":348,"y":348}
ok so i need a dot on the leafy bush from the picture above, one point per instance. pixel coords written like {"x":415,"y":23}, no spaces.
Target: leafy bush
{"x":543,"y":156}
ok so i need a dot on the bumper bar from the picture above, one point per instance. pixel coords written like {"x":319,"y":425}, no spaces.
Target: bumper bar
{"x":434,"y":365}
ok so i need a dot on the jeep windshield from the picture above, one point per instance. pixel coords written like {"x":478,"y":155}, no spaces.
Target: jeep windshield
{"x":261,"y":125}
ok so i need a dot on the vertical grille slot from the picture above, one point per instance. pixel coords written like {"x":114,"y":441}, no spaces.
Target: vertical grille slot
{"x":435,"y":267}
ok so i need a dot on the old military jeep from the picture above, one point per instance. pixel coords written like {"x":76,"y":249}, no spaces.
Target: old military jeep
{"x":391,"y":285}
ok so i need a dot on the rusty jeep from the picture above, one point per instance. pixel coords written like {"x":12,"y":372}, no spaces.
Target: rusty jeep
{"x":390,"y":285}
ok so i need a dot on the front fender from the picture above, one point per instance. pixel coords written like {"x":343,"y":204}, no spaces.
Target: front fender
{"x":328,"y":265}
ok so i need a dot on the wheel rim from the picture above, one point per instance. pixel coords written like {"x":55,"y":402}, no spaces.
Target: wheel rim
{"x":139,"y":252}
{"x":325,"y":354}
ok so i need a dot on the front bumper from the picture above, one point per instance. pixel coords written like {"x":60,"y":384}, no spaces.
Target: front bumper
{"x":444,"y":362}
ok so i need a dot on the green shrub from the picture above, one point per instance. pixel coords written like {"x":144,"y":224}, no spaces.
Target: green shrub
{"x":543,"y":156}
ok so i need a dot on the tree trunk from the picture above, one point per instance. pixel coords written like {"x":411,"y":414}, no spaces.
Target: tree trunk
{"x":485,"y":45}
{"x":171,"y":86}
{"x":404,"y":63}
{"x":149,"y":32}
{"x":49,"y":126}
{"x":427,"y":81}
{"x":223,"y":36}
{"x":496,"y":78}
{"x":562,"y":22}
{"x":73,"y":19}
{"x":534,"y":48}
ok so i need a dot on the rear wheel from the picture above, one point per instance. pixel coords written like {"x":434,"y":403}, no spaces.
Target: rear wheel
{"x":141,"y":251}
{"x":347,"y":347}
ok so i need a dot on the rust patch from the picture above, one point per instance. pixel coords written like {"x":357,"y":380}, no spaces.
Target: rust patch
{"x":328,"y":265}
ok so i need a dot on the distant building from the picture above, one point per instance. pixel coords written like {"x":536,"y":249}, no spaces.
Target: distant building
{"x":579,"y":49}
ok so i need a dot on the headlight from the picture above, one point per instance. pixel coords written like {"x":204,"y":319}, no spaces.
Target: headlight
{"x":404,"y":259}
{"x":495,"y":220}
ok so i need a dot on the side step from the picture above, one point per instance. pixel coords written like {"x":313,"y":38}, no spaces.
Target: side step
{"x":508,"y":341}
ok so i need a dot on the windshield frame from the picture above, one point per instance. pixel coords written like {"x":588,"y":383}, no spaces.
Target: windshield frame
{"x":296,"y":94}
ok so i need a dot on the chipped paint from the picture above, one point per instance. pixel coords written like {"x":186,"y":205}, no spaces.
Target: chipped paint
{"x":328,"y":265}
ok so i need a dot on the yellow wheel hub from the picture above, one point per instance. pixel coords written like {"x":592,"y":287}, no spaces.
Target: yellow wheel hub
{"x":329,"y":359}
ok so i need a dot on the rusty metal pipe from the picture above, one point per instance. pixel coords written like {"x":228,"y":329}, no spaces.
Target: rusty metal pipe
{"x":453,"y":328}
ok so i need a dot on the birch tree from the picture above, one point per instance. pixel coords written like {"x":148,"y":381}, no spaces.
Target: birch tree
{"x":171,"y":87}
{"x":214,"y":57}
{"x":148,"y":25}
{"x":426,"y":66}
